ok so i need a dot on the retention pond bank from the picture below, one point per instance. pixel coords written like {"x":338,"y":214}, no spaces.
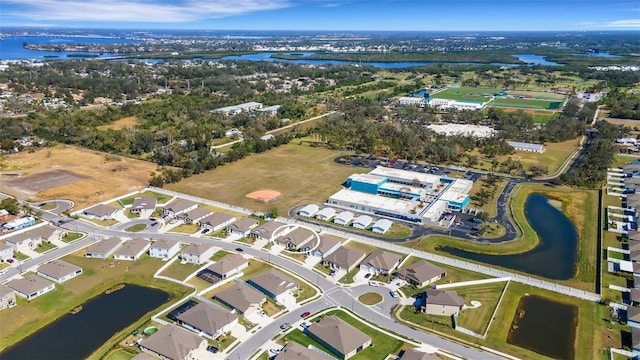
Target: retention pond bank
{"x":77,"y":335}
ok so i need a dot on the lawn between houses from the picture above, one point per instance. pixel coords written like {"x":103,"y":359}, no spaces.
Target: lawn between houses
{"x":581,"y":207}
{"x":97,"y":277}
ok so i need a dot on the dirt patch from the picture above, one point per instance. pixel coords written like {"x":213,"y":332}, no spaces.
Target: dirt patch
{"x":65,"y":172}
{"x":624,"y":122}
{"x":125,"y":122}
{"x":264,"y":196}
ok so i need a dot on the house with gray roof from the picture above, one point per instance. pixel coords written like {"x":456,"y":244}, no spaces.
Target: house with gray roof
{"x":197,"y":253}
{"x":342,"y":339}
{"x":344,"y":258}
{"x":216,"y":221}
{"x":164,"y":248}
{"x":173,"y":343}
{"x":6,"y":252}
{"x":243,"y":298}
{"x":242,"y":226}
{"x":227,"y":266}
{"x":145,"y":206}
{"x":101,"y":212}
{"x":442,"y":302}
{"x":27,"y":240}
{"x":275,"y":284}
{"x":635,"y":340}
{"x":103,"y":248}
{"x":633,"y":316}
{"x":178,"y":206}
{"x":132,"y":250}
{"x":381,"y":226}
{"x":207,"y":319}
{"x":309,"y":210}
{"x":414,"y":354}
{"x":421,"y":273}
{"x":328,"y":244}
{"x":344,"y":218}
{"x":362,"y":221}
{"x":296,"y":239}
{"x":31,"y":286}
{"x":295,"y":351}
{"x":59,"y":271}
{"x":268,"y":230}
{"x":325,"y":214}
{"x":194,"y":215}
{"x":7,"y":297}
{"x":380,"y":262}
{"x":49,"y":233}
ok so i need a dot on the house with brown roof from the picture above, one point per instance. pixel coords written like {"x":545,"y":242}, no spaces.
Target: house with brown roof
{"x":101,"y":212}
{"x":414,"y":354}
{"x":242,"y":226}
{"x":6,"y":252}
{"x":342,"y":339}
{"x":195,"y":215}
{"x":380,"y":262}
{"x":49,"y":233}
{"x":27,"y":240}
{"x":31,"y":286}
{"x":327,"y":245}
{"x":274,"y":284}
{"x":178,"y":206}
{"x":103,"y":248}
{"x":164,"y":248}
{"x":7,"y":297}
{"x":421,"y":273}
{"x":132,"y":250}
{"x":59,"y":271}
{"x":344,"y":258}
{"x":208,"y":320}
{"x":216,"y":221}
{"x":173,"y":343}
{"x":227,"y":266}
{"x":633,"y":316}
{"x":269,"y":230}
{"x":242,"y":298}
{"x":144,"y":206}
{"x":295,"y":351}
{"x":296,"y":239}
{"x":441,"y":302}
{"x":197,"y":253}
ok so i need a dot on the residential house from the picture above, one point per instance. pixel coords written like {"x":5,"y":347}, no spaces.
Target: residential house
{"x":633,"y":316}
{"x":441,"y":302}
{"x":342,"y":339}
{"x":414,"y":354}
{"x":227,"y":266}
{"x":421,"y":273}
{"x":6,"y":252}
{"x":132,"y":250}
{"x":20,"y":223}
{"x":635,"y":341}
{"x":269,"y":230}
{"x":344,"y":218}
{"x":164,"y":248}
{"x":208,"y":320}
{"x":296,"y":239}
{"x":49,"y":233}
{"x":103,"y":248}
{"x":381,"y":226}
{"x":101,"y":212}
{"x":344,"y":258}
{"x":327,"y":245}
{"x":380,"y":262}
{"x":309,"y":210}
{"x":144,"y":206}
{"x":242,"y":226}
{"x":243,"y":298}
{"x":59,"y":271}
{"x":326,"y":214}
{"x":7,"y":297}
{"x":197,"y":253}
{"x":31,"y":286}
{"x":194,"y":215}
{"x":270,"y":110}
{"x":362,"y":221}
{"x":274,"y":284}
{"x":27,"y":240}
{"x":178,"y":206}
{"x":294,"y":351}
{"x":635,"y":296}
{"x":144,"y":356}
{"x":217,"y":221}
{"x":173,"y":343}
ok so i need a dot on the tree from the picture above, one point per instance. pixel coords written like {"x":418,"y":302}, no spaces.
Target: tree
{"x":273,"y":212}
{"x":538,"y":170}
{"x":11,"y":205}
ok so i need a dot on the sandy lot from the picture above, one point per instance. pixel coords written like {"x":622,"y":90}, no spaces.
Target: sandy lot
{"x":66,"y":172}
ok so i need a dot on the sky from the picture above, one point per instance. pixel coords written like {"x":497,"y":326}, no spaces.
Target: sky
{"x":349,"y":15}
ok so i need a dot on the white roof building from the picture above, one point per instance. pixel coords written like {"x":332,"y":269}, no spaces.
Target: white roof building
{"x":309,"y":210}
{"x":381,"y":226}
{"x":344,"y":218}
{"x":521,"y":146}
{"x":476,"y":131}
{"x":362,"y":221}
{"x":325,"y":214}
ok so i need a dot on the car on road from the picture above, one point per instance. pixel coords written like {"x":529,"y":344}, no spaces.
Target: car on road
{"x":154,"y":224}
{"x":305,"y":314}
{"x":393,"y":294}
{"x":240,"y":249}
{"x":373,"y":283}
{"x":212,"y":349}
{"x":284,"y":325}
{"x":42,"y":204}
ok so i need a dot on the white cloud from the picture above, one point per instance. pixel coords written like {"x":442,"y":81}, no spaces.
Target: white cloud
{"x":630,"y":23}
{"x":134,"y":10}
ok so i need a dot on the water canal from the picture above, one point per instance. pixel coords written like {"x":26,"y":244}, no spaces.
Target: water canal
{"x":76,"y":336}
{"x":556,"y":254}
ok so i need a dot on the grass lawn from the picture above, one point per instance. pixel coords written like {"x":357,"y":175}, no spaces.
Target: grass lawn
{"x":466,"y":94}
{"x":523,"y":103}
{"x":48,"y":207}
{"x":20,"y":256}
{"x":185,"y":229}
{"x":180,"y":271}
{"x":136,"y":228}
{"x":302,"y":339}
{"x":247,"y":240}
{"x":477,"y":319}
{"x":615,"y":255}
{"x":162,"y":198}
{"x":119,"y":354}
{"x":99,"y":222}
{"x":219,"y":255}
{"x":72,"y":236}
{"x":370,"y":298}
{"x":44,"y":247}
{"x":291,"y":169}
{"x":97,"y":277}
{"x":541,"y":95}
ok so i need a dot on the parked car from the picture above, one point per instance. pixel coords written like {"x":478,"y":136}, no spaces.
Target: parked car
{"x":393,"y":294}
{"x":475,"y":227}
{"x":205,"y":231}
{"x":10,"y":261}
{"x":275,"y":351}
{"x":284,"y":325}
{"x":333,"y":273}
{"x":240,"y":249}
{"x":305,"y":314}
{"x":368,"y":275}
{"x":477,"y":220}
{"x":154,"y":224}
{"x":212,"y":349}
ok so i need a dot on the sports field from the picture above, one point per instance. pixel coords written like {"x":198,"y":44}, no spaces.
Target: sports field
{"x":539,"y":116}
{"x":466,"y":94}
{"x":538,"y":95}
{"x":524,"y":103}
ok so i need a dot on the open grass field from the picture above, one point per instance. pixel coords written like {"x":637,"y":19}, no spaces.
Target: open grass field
{"x":89,"y":176}
{"x":180,"y":271}
{"x":539,"y":116}
{"x":123,"y":123}
{"x":466,"y":94}
{"x":301,"y":173}
{"x":477,"y":319}
{"x":98,"y":276}
{"x":540,"y":95}
{"x":162,"y":198}
{"x":631,"y":124}
{"x":552,"y":157}
{"x":522,"y":103}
